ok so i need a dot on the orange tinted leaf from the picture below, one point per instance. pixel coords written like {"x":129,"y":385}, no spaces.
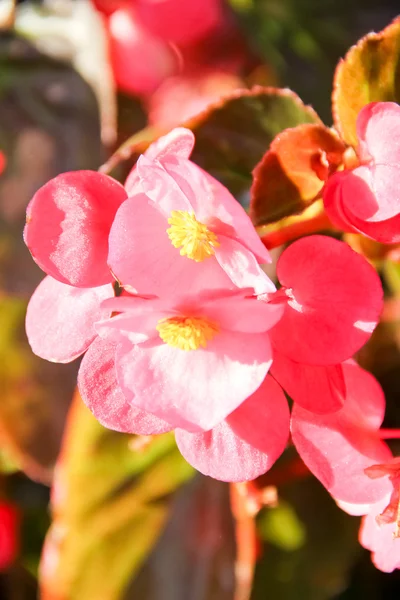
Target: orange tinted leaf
{"x":109,"y":504}
{"x":291,"y":174}
{"x":370,"y":72}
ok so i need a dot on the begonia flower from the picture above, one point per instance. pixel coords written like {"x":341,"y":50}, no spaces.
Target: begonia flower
{"x":366,"y":199}
{"x":380,"y":538}
{"x":180,"y":22}
{"x":193,"y":359}
{"x":140,"y":61}
{"x":380,"y":527}
{"x":239,"y":448}
{"x":338,"y":447}
{"x":177,"y":223}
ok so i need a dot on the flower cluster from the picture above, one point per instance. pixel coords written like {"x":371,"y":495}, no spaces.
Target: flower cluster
{"x":160,"y":283}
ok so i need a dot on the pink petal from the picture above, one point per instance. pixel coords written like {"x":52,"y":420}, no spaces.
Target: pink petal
{"x":241,"y":266}
{"x":161,"y":188}
{"x":143,"y":257}
{"x":227,"y":209}
{"x":318,"y":389}
{"x":371,"y":193}
{"x":60,"y":319}
{"x":136,"y":322}
{"x":247,"y":443}
{"x":214,"y":205}
{"x":178,"y":142}
{"x":179,"y":22}
{"x":356,"y":510}
{"x":335,"y":300}
{"x":67,"y":227}
{"x":240,"y":313}
{"x":336,"y":190}
{"x":127,"y":42}
{"x":194,"y":389}
{"x":338,"y":447}
{"x":101,"y":393}
{"x":380,"y":540}
{"x":378,"y":129}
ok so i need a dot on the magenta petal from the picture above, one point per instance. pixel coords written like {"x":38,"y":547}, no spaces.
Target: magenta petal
{"x":335,"y":300}
{"x":101,"y":393}
{"x":247,"y":443}
{"x":318,"y":389}
{"x":194,"y":389}
{"x":338,"y":447}
{"x":67,"y":226}
{"x":143,"y":257}
{"x":380,"y":540}
{"x":60,"y":319}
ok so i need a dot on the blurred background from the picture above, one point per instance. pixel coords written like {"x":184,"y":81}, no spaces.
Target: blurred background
{"x":129,"y":518}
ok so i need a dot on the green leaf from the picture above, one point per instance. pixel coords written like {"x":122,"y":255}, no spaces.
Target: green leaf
{"x":233,"y":134}
{"x":327,"y":546}
{"x":110,"y":503}
{"x":370,"y":72}
{"x":281,"y":526}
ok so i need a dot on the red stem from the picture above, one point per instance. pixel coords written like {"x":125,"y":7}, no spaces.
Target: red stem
{"x":246,"y":541}
{"x":296,"y":230}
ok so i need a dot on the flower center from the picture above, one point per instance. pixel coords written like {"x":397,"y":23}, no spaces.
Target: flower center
{"x":194,"y":238}
{"x":187,"y":333}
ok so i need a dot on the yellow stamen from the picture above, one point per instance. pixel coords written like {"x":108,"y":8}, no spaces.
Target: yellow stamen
{"x":187,"y":333}
{"x":197,"y":241}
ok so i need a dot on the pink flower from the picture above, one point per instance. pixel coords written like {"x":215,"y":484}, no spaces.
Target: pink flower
{"x":380,"y":538}
{"x":178,"y":223}
{"x":193,"y":359}
{"x":338,"y":447}
{"x":333,"y":300}
{"x":140,"y":61}
{"x":366,"y":199}
{"x":180,"y":22}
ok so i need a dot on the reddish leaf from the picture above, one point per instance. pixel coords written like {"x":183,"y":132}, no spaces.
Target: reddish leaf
{"x":291,"y":174}
{"x":370,"y":72}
